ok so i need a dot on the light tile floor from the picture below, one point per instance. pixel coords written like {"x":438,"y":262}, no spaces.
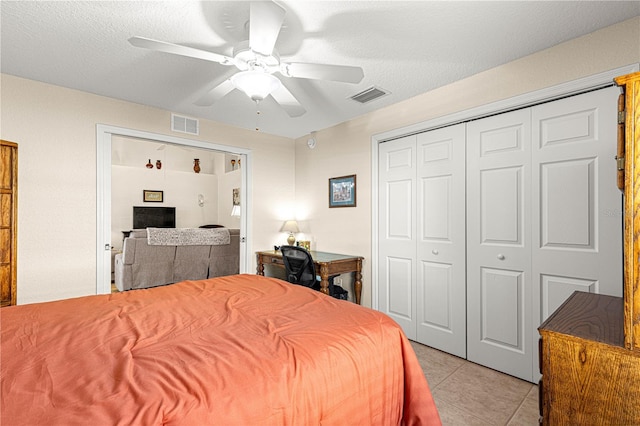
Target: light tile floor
{"x":470,"y":394}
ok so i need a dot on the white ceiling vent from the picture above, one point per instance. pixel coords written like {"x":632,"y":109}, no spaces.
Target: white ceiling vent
{"x":183,"y":124}
{"x":369,"y":94}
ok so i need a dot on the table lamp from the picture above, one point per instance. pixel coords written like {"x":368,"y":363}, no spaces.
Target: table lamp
{"x":290,"y":226}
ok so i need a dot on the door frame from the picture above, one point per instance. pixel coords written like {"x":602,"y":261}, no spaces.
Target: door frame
{"x":104,"y":134}
{"x":562,"y":90}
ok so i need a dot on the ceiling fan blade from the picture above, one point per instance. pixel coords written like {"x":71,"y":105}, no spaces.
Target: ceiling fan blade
{"x":265,"y":22}
{"x":176,"y":49}
{"x":215,"y":94}
{"x":342,"y":73}
{"x":288,"y":102}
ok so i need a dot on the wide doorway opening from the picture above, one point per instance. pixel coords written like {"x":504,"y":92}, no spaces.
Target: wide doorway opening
{"x":116,"y":149}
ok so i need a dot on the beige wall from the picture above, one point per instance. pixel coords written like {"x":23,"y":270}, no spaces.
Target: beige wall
{"x":55,"y":129}
{"x":346,"y":148}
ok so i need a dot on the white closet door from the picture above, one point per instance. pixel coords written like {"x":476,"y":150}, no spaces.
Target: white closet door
{"x":441,"y":268}
{"x":396,"y":233}
{"x":499,"y":288}
{"x":577,"y":208}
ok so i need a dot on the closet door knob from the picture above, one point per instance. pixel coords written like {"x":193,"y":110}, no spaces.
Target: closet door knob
{"x":501,"y":257}
{"x":434,"y":251}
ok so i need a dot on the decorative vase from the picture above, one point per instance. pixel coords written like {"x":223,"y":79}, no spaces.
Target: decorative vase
{"x":158,"y":164}
{"x":149,"y":165}
{"x":196,"y":165}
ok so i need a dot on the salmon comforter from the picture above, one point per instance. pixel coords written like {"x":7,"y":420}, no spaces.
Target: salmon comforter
{"x":239,"y":350}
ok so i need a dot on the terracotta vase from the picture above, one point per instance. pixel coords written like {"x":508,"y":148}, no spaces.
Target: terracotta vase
{"x":149,"y":165}
{"x":196,"y":165}
{"x":158,"y":164}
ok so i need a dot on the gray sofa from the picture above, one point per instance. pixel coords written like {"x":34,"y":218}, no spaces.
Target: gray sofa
{"x":141,"y":265}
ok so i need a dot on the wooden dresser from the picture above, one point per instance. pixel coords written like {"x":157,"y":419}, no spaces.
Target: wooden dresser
{"x":8,"y":221}
{"x":590,"y":346}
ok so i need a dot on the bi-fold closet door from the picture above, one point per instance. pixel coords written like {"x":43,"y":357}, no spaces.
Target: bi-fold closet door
{"x":421,"y":236}
{"x":542,"y":218}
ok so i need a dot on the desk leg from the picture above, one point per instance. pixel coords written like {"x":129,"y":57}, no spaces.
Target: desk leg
{"x":324,"y":279}
{"x":358,"y":284}
{"x":260,"y":265}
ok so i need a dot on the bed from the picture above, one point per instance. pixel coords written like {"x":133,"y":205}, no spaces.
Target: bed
{"x":237,"y":350}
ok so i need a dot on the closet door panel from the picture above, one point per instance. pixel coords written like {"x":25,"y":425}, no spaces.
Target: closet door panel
{"x":577,"y":208}
{"x":567,"y":204}
{"x":441,"y":272}
{"x":501,"y":201}
{"x":396,"y":233}
{"x":502,"y":291}
{"x":499,"y":289}
{"x":399,"y":273}
{"x":556,"y":289}
{"x":436,"y":309}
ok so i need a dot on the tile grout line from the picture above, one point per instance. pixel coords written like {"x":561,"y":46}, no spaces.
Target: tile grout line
{"x":448,"y":375}
{"x":520,"y":405}
{"x":462,"y":364}
{"x":513,"y":414}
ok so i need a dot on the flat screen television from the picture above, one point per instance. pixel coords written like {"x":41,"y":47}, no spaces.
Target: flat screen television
{"x":154,"y":217}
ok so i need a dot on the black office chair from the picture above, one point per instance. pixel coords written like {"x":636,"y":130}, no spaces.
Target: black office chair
{"x":300,"y":270}
{"x":299,"y":267}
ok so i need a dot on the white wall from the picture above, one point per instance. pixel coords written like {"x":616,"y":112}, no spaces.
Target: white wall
{"x":55,"y":129}
{"x":180,"y":190}
{"x":346,"y":148}
{"x":176,"y":178}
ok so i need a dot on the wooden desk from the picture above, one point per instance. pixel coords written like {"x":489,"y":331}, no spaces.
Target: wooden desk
{"x":326,"y":264}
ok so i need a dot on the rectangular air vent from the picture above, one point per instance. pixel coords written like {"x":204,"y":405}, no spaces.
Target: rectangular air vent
{"x":369,"y":94}
{"x":183,"y":124}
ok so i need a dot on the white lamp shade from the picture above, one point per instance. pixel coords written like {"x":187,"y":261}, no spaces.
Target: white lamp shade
{"x":290,"y":226}
{"x":235,"y":210}
{"x":256,"y":84}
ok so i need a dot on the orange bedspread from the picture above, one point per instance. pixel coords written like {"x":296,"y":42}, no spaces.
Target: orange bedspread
{"x":241,"y":350}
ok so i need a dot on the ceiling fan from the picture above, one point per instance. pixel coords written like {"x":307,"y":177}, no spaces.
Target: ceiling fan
{"x":258,"y":61}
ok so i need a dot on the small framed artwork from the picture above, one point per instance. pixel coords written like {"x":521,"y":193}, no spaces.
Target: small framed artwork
{"x":304,"y":244}
{"x":236,"y":196}
{"x":152,"y":196}
{"x":342,"y":191}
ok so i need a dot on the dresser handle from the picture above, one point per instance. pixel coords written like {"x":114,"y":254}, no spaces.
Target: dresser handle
{"x":501,"y":257}
{"x":434,"y":251}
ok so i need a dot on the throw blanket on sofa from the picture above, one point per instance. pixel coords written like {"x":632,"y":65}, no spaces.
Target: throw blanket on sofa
{"x":188,"y":236}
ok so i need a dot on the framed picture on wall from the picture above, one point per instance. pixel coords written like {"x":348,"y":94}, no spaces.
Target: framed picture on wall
{"x":236,"y":196}
{"x":149,"y":196}
{"x":342,"y":191}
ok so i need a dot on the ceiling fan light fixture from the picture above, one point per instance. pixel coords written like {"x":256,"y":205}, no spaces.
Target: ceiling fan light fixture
{"x":255,"y":84}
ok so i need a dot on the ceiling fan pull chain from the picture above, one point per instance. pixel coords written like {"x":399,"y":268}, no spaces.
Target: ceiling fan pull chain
{"x":257,"y":116}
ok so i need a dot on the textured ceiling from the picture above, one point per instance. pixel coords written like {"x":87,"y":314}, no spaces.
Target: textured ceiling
{"x":406,"y":48}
